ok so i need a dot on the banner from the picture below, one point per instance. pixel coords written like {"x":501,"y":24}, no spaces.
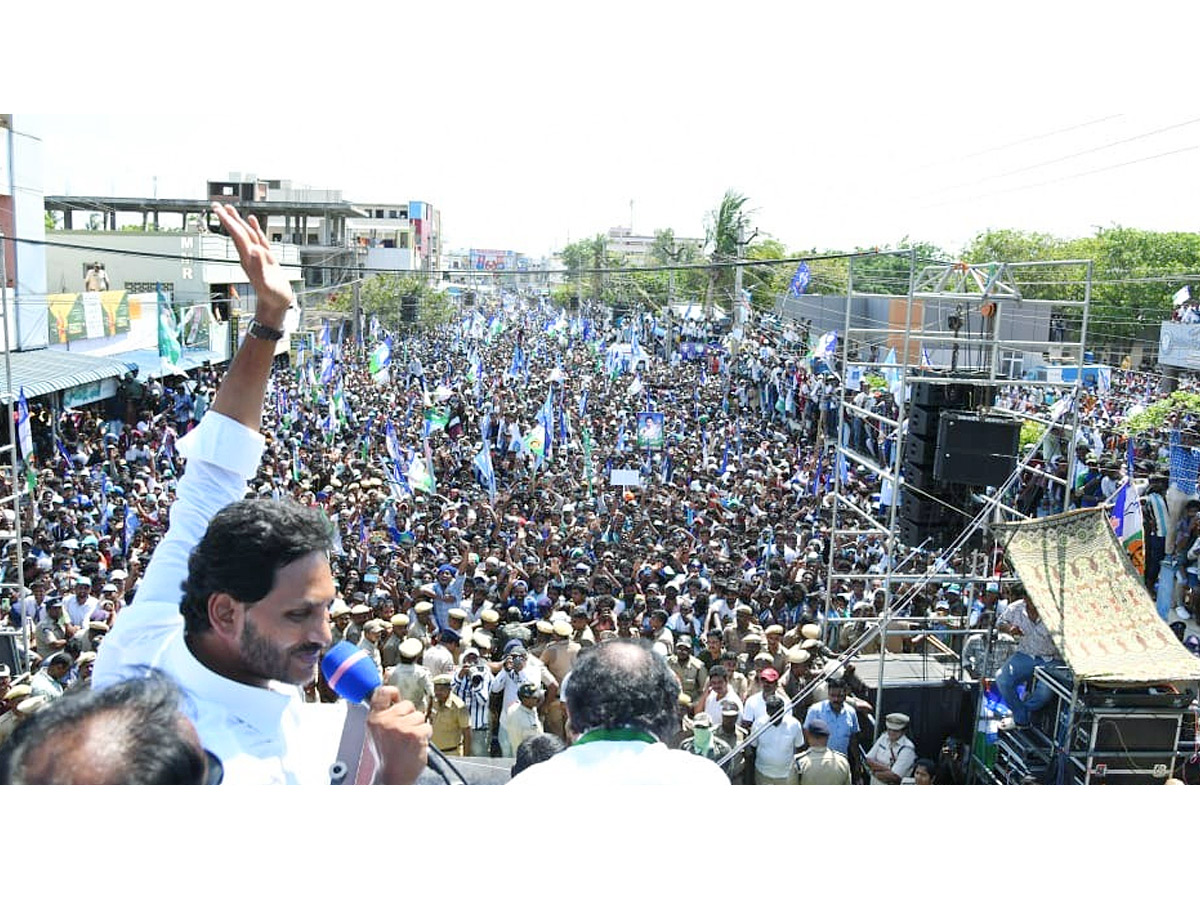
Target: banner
{"x":93,"y":314}
{"x":650,"y":429}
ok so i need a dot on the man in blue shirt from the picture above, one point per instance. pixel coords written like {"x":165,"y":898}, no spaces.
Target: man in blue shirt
{"x":841,"y":719}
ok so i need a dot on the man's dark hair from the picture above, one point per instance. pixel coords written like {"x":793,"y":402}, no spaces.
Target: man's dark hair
{"x":128,"y":733}
{"x":535,"y":749}
{"x":718,"y":671}
{"x":622,"y":683}
{"x":835,"y":683}
{"x":245,"y":545}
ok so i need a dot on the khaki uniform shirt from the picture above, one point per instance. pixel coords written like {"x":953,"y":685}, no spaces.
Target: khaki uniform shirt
{"x":448,"y":722}
{"x":414,"y":683}
{"x":692,"y":675}
{"x":822,"y":765}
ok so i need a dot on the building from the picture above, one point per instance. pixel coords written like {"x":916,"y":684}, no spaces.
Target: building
{"x":636,"y":248}
{"x":400,"y":237}
{"x":22,"y":216}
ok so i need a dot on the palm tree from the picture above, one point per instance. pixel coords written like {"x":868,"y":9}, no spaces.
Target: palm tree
{"x":721,"y":233}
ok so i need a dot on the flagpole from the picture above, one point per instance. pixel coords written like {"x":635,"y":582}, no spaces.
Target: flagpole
{"x":12,"y":451}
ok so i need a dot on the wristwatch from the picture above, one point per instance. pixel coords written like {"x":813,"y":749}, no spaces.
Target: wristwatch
{"x":257,"y":329}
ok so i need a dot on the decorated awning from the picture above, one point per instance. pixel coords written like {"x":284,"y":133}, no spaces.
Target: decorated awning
{"x":1096,"y":606}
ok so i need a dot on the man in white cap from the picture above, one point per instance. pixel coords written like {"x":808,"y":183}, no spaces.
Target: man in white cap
{"x":893,"y":756}
{"x":413,"y":680}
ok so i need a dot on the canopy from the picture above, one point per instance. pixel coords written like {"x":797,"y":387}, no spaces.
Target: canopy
{"x":1096,"y":606}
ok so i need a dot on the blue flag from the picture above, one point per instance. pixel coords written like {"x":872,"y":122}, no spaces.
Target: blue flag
{"x":799,"y":281}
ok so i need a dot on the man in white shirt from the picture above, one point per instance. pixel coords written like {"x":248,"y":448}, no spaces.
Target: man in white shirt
{"x":253,"y":619}
{"x":622,"y":703}
{"x":779,"y":739}
{"x":81,"y":605}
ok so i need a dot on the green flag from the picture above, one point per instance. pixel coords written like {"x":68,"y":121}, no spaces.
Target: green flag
{"x":436,"y":418}
{"x":170,"y":351}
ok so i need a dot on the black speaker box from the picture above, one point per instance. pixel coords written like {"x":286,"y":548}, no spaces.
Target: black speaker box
{"x":923,"y":421}
{"x":975,"y":450}
{"x":919,"y":450}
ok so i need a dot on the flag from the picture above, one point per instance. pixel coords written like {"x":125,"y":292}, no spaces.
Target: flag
{"x":1061,"y":406}
{"x":103,"y":502}
{"x":487,"y":474}
{"x":826,"y":345}
{"x":636,"y":387}
{"x":169,"y":349}
{"x":583,"y":398}
{"x":380,"y":358}
{"x":1181,"y":296}
{"x":62,"y":451}
{"x":535,"y":442}
{"x":24,"y":429}
{"x":1185,"y":465}
{"x":926,"y":362}
{"x":587,"y":459}
{"x":893,"y":375}
{"x":325,"y":334}
{"x":800,"y":280}
{"x":327,"y":366}
{"x":816,"y":482}
{"x":435,"y":418}
{"x":1127,"y":517}
{"x":724,"y":459}
{"x":132,"y":523}
{"x":336,"y":539}
{"x":1103,"y":380}
{"x":419,"y":476}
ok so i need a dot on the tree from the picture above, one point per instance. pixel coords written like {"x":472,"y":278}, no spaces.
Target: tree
{"x":383,"y":295}
{"x":721,"y":242}
{"x":51,"y":220}
{"x":889,"y":273}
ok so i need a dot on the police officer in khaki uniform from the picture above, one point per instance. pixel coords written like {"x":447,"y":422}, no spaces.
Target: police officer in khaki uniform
{"x":412,"y":680}
{"x":448,"y":716}
{"x":688,"y":669}
{"x":818,"y":763}
{"x":389,"y":653}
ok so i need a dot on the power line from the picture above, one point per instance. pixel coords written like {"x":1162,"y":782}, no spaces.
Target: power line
{"x":1076,"y":155}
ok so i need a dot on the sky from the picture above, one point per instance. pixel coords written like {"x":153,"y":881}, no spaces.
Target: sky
{"x":530,"y":125}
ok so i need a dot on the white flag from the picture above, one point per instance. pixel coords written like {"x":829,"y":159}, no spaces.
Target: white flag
{"x":1181,"y":296}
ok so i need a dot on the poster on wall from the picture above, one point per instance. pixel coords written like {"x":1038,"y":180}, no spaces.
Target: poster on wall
{"x":195,"y":326}
{"x":116,"y":312}
{"x":66,"y":321}
{"x":92,"y":314}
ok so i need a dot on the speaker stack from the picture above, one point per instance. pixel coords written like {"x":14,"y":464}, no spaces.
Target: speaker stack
{"x":947,"y":451}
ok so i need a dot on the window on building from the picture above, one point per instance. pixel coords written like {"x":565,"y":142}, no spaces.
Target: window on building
{"x":403,"y":240}
{"x":393,"y":213}
{"x":1012,"y":362}
{"x":277,"y":237}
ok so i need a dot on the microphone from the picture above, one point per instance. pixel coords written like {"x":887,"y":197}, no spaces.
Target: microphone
{"x":353,"y":676}
{"x":350,"y":672}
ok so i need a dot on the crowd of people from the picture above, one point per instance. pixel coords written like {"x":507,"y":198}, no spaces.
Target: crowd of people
{"x":498,"y":508}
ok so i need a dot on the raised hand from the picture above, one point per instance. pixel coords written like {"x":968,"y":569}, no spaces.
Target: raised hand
{"x":271,"y":287}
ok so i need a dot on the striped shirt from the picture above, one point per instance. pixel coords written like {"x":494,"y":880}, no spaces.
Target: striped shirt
{"x":476,"y":699}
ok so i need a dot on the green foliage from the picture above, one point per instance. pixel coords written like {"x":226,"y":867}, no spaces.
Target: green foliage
{"x":1129,"y":291}
{"x":1160,"y":413}
{"x":51,"y":220}
{"x":721,"y":241}
{"x":875,"y":382}
{"x":382,"y":295}
{"x":1032,"y":433}
{"x":889,"y":273}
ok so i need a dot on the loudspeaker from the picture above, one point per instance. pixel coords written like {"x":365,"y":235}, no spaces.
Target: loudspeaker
{"x":923,"y":421}
{"x":975,"y":450}
{"x":919,"y":450}
{"x":920,"y":476}
{"x":953,"y":394}
{"x":919,"y":508}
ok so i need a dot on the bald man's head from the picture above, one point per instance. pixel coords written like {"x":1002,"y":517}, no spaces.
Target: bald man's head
{"x":130,"y":733}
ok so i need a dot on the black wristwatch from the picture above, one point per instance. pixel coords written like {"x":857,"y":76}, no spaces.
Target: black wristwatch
{"x":257,"y":329}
